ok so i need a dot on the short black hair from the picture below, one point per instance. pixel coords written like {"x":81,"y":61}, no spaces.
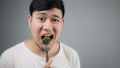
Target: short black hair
{"x":40,"y":5}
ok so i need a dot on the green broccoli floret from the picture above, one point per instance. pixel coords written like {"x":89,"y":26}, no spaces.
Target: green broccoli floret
{"x":46,"y":40}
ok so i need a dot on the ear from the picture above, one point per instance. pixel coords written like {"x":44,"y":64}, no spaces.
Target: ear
{"x":29,"y":20}
{"x":62,"y":22}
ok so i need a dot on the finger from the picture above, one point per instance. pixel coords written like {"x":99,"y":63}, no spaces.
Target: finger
{"x":48,"y":64}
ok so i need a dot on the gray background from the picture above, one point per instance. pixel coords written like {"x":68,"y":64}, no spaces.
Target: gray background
{"x":92,"y":27}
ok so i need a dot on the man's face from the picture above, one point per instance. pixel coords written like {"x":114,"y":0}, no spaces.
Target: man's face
{"x":46,"y":23}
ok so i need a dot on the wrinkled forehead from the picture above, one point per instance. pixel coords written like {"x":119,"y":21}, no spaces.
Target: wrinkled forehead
{"x":49,"y":13}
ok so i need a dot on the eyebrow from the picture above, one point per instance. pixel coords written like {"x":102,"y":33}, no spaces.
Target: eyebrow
{"x":41,"y":13}
{"x":54,"y":15}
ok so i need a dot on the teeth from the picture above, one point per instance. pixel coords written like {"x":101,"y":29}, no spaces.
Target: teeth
{"x":50,"y":36}
{"x":46,"y":38}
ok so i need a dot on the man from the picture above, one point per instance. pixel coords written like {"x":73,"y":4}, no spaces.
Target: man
{"x":46,"y":19}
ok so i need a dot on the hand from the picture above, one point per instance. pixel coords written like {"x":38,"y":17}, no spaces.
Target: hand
{"x":48,"y":64}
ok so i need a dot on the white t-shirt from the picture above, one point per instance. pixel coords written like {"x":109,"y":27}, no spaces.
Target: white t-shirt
{"x":20,"y":56}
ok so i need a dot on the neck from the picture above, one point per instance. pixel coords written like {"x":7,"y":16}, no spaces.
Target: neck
{"x":37,"y":50}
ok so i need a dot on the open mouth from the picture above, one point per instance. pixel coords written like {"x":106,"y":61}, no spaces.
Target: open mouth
{"x":49,"y":36}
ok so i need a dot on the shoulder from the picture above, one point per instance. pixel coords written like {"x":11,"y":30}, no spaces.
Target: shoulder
{"x":71,"y":55}
{"x":7,"y":57}
{"x":11,"y":51}
{"x":69,"y":49}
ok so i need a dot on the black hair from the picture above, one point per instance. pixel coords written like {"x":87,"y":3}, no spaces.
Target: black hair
{"x":40,"y":5}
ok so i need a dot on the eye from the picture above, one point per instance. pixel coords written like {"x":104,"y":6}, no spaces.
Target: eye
{"x":42,"y":19}
{"x":55,"y":20}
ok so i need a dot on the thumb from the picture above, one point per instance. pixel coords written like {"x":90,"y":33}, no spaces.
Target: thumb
{"x":48,"y":64}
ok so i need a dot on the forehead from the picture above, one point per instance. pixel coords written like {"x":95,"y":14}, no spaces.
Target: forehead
{"x":51,"y":12}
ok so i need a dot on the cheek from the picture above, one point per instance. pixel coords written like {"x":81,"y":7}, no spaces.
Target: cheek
{"x":58,"y":29}
{"x":37,"y":25}
{"x":36,"y":28}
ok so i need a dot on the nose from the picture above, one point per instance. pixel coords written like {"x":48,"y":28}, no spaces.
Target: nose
{"x":47,"y":25}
